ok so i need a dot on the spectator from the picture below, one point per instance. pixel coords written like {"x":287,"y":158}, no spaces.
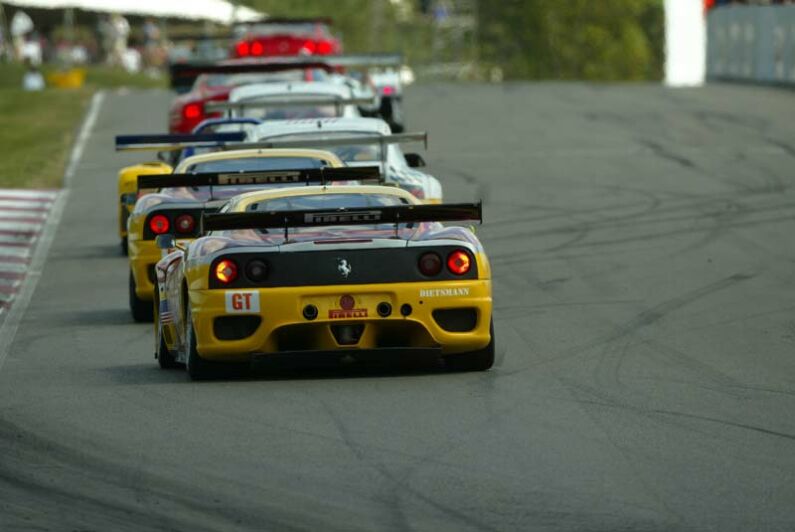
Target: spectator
{"x":32,"y":80}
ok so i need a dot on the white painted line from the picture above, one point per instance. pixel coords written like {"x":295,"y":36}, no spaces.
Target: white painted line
{"x":22,"y":204}
{"x":13,"y":251}
{"x":13,"y":215}
{"x":8,"y":328}
{"x":42,"y":195}
{"x":22,"y":227}
{"x":13,"y":267}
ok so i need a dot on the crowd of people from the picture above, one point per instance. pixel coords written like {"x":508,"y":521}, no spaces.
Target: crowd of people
{"x":111,"y":40}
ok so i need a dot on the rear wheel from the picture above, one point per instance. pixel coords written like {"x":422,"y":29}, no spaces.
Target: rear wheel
{"x":479,"y":360}
{"x":198,"y":368}
{"x":141,"y":310}
{"x":124,"y":246}
{"x":164,"y":357}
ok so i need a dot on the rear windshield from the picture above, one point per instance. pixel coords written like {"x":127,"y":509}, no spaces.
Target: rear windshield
{"x":349,"y":153}
{"x":326,"y":201}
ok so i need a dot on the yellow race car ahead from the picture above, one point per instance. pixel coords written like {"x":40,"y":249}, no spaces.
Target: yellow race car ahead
{"x":206,"y":181}
{"x":347,"y":270}
{"x":127,"y":181}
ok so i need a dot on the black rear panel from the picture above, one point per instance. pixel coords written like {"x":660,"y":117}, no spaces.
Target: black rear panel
{"x":321,"y":268}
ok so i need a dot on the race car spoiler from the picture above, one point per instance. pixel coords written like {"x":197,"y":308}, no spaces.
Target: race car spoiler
{"x":296,"y":101}
{"x":397,"y":138}
{"x":176,"y":142}
{"x":260,"y":177}
{"x":184,"y":74}
{"x":224,"y":141}
{"x":451,"y":212}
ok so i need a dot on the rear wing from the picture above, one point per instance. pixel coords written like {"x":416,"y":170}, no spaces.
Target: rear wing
{"x":176,"y":142}
{"x":294,"y":101}
{"x":268,"y":177}
{"x":397,"y":138}
{"x":451,"y":212}
{"x":184,"y":74}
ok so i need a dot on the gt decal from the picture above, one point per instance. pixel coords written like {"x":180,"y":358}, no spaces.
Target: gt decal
{"x":242,"y":302}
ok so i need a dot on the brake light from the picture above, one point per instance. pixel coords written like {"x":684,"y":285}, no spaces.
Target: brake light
{"x":324,"y":47}
{"x":309,"y":47}
{"x":459,"y":262}
{"x":257,"y":48}
{"x":430,"y":264}
{"x":242,"y":49}
{"x":226,"y":271}
{"x":185,"y":223}
{"x":159,"y":224}
{"x":389,"y":90}
{"x":192,"y":111}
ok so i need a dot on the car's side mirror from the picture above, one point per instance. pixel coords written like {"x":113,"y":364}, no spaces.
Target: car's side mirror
{"x":165,"y":241}
{"x":415,"y":160}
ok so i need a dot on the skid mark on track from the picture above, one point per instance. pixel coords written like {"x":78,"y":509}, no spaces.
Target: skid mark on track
{"x":400,"y":483}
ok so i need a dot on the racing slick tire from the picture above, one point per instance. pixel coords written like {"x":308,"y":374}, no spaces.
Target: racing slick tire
{"x":124,"y":246}
{"x":198,"y":368}
{"x":479,"y":360}
{"x":164,"y":357}
{"x":141,"y":310}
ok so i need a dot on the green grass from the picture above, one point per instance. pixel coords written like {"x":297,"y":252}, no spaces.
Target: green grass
{"x":97,"y":77}
{"x":36,"y":132}
{"x":37,"y":128}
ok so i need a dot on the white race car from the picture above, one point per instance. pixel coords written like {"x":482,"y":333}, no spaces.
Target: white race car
{"x":378,"y":146}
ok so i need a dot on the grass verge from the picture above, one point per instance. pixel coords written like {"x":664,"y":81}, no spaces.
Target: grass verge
{"x":37,"y":129}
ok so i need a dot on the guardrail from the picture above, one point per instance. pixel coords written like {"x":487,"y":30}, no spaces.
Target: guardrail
{"x":752,"y":44}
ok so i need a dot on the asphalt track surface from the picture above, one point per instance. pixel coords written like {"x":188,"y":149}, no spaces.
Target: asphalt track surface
{"x":641,"y":240}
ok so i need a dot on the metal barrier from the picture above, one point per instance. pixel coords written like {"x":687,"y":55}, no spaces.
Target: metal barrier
{"x":752,"y":43}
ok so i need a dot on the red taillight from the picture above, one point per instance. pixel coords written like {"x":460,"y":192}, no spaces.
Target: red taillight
{"x":159,"y":224}
{"x":192,"y":111}
{"x":309,"y":47}
{"x":226,"y":271}
{"x":257,"y":48}
{"x":389,"y":90}
{"x":242,"y":49}
{"x":324,"y":47}
{"x":185,"y":223}
{"x":430,"y":264}
{"x":459,"y":262}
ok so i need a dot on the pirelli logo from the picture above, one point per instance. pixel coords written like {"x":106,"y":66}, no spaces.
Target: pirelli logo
{"x":252,"y":178}
{"x":342,"y":217}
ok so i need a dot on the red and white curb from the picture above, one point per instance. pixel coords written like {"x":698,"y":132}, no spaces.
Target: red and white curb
{"x":22,"y":217}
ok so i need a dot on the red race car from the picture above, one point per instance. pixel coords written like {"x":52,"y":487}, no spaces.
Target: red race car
{"x":286,"y":36}
{"x":213,"y":82}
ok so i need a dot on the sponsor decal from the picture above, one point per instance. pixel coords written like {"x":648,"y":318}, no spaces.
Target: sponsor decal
{"x":242,"y":302}
{"x":258,"y":179}
{"x":444,"y":292}
{"x":344,"y":267}
{"x":342,"y":217}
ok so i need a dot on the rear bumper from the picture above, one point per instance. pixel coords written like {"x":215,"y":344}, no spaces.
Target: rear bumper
{"x":144,"y":254}
{"x":284,"y":328}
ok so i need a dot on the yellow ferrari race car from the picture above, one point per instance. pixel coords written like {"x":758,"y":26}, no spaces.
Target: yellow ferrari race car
{"x":346,"y":270}
{"x":203,"y":182}
{"x":127,"y":183}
